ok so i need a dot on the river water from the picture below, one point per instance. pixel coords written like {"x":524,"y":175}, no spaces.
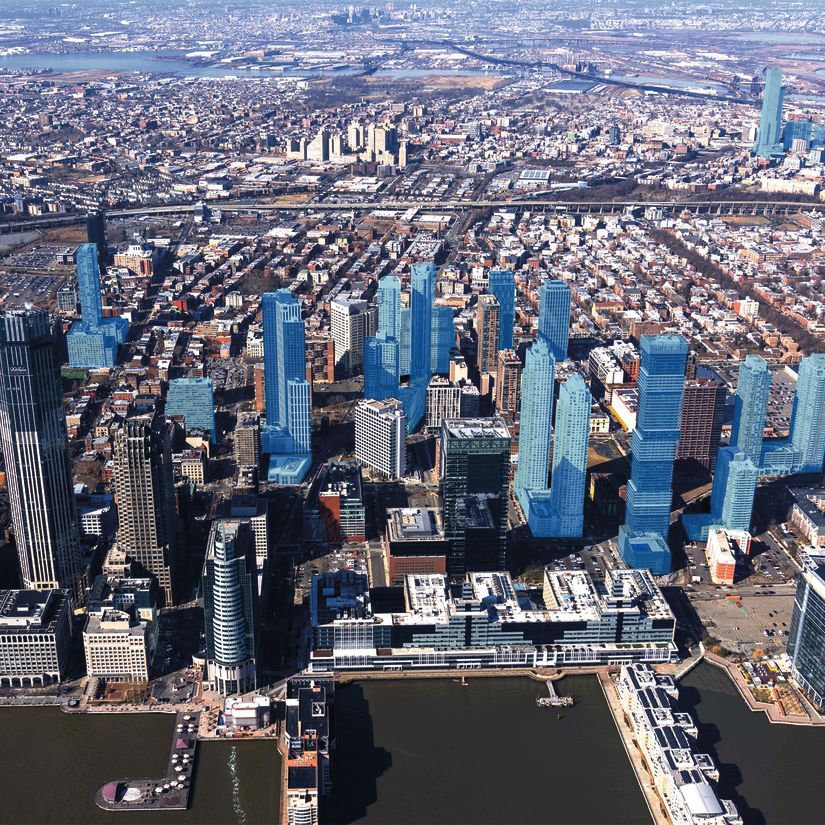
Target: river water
{"x":432,"y":751}
{"x":423,"y":751}
{"x":772,"y":772}
{"x":52,"y":763}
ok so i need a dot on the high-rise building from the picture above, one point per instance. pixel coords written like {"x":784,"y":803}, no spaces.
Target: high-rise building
{"x":389,"y":307}
{"x":475,"y":474}
{"x":421,"y":323}
{"x":93,"y":341}
{"x":508,"y":382}
{"x":753,"y":389}
{"x":570,"y":441}
{"x":381,"y":367}
{"x":554,"y":317}
{"x":145,"y":494}
{"x":193,"y":398}
{"x":230,"y":609}
{"x":96,"y":232}
{"x":405,"y":341}
{"x":643,"y":537}
{"x":734,"y":487}
{"x":488,"y":317}
{"x":443,"y":339}
{"x":806,"y":641}
{"x":350,"y":324}
{"x":808,"y":416}
{"x":287,"y":438}
{"x":36,"y":451}
{"x":502,"y":284}
{"x":248,"y":440}
{"x":443,"y":401}
{"x":703,"y":413}
{"x":535,"y":424}
{"x":769,"y":137}
{"x":381,"y":436}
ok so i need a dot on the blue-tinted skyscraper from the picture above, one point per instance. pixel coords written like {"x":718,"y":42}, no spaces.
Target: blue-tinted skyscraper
{"x":421,"y":322}
{"x":405,"y":342}
{"x":808,"y":416}
{"x":381,"y":376}
{"x":570,"y":441}
{"x":88,"y":284}
{"x":193,"y":398}
{"x":769,"y":136}
{"x":389,"y":307}
{"x":643,"y":537}
{"x":443,"y":339}
{"x":750,"y":407}
{"x":554,"y":317}
{"x":93,"y":341}
{"x":502,"y":284}
{"x":536,"y":422}
{"x":288,"y":435}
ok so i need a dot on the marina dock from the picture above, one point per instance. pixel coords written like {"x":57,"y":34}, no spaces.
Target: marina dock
{"x":168,"y":794}
{"x":554,"y":700}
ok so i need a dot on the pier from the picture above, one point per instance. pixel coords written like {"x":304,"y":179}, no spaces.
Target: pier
{"x":554,"y":700}
{"x":168,"y":794}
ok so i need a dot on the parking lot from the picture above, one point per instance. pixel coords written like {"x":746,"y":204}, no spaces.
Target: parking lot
{"x":742,"y":626}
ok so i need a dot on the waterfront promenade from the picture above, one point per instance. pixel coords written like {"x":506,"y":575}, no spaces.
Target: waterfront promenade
{"x":634,"y":754}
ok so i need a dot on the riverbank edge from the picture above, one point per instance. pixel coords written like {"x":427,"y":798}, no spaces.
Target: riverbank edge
{"x":770,"y":710}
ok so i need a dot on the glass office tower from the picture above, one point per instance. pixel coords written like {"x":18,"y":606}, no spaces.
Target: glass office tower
{"x":443,"y":339}
{"x":389,"y":307}
{"x":554,"y":317}
{"x":806,"y":642}
{"x":421,"y":322}
{"x":36,"y":451}
{"x":194,"y":399}
{"x":92,"y":342}
{"x":808,"y":416}
{"x":288,"y":434}
{"x":502,"y":284}
{"x":570,"y":440}
{"x":750,"y":407}
{"x":535,"y":423}
{"x":381,"y":372}
{"x":643,"y":537}
{"x":769,"y":137}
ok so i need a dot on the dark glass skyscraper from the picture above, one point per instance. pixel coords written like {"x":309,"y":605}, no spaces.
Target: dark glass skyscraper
{"x":502,"y":284}
{"x":643,"y":537}
{"x":554,"y":317}
{"x":475,"y":482}
{"x":36,"y":450}
{"x":443,"y":339}
{"x":769,"y":136}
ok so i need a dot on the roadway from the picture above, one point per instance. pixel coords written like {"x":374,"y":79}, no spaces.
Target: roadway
{"x":581,"y":206}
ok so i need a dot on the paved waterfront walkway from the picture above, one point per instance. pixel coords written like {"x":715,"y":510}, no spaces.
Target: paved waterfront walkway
{"x":627,"y":735}
{"x":771,"y":710}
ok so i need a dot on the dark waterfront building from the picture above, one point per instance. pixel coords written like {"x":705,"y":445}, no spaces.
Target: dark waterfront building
{"x":703,"y":412}
{"x":475,"y":482}
{"x":806,"y":642}
{"x":36,"y":449}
